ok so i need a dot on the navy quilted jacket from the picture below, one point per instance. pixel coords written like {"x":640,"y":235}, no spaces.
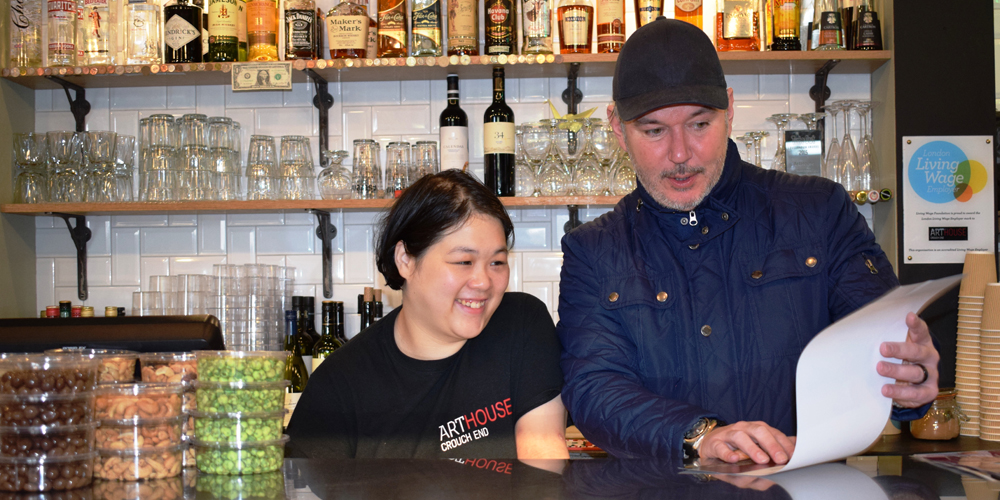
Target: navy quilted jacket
{"x":667,"y":316}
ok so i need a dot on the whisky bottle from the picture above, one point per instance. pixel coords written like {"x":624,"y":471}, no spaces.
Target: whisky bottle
{"x":262,"y":30}
{"x":575,"y":26}
{"x":737,"y":27}
{"x":300,"y":20}
{"x":347,"y":27}
{"x":646,"y":11}
{"x":501,"y":31}
{"x":463,"y":28}
{"x":182,"y":33}
{"x":536,"y":24}
{"x":425,"y":20}
{"x":610,"y":26}
{"x":689,"y":11}
{"x":371,"y":48}
{"x":223,"y":42}
{"x":392,"y":28}
{"x":241,"y":30}
{"x":786,"y":25}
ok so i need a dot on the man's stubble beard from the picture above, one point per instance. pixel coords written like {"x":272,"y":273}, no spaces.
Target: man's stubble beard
{"x":653,"y":187}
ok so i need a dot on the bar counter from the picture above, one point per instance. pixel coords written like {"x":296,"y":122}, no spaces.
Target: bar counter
{"x":884,"y":472}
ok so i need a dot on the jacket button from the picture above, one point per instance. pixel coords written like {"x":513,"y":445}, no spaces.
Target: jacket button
{"x":725,"y":216}
{"x":662,"y":296}
{"x":704,"y":229}
{"x":695,"y":246}
{"x":706,"y":330}
{"x":811,"y":262}
{"x":757,"y":275}
{"x":613,"y":297}
{"x":684,"y":221}
{"x":638,"y":205}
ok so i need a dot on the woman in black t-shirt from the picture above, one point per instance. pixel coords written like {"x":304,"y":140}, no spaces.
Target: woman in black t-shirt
{"x":461,"y":369}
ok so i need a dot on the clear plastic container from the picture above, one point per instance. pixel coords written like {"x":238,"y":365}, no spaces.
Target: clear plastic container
{"x":171,"y":488}
{"x":44,"y":373}
{"x":942,"y":421}
{"x":46,"y":473}
{"x":240,"y":458}
{"x":116,"y":365}
{"x":47,"y":409}
{"x":240,"y":397}
{"x":147,"y":433}
{"x":238,"y":427}
{"x":138,"y":401}
{"x":140,"y":464}
{"x":241,"y":366}
{"x":46,"y":441}
{"x":168,"y":367}
{"x":250,"y":486}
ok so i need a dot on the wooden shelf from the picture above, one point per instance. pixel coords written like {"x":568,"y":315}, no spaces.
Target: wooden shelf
{"x":432,"y":68}
{"x":178,"y":207}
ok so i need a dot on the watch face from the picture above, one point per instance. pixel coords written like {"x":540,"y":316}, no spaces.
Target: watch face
{"x":697,"y":429}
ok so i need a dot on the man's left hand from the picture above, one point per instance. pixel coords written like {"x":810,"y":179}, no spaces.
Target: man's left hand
{"x":910,"y":389}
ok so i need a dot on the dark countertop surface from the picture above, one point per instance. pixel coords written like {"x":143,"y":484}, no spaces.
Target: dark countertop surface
{"x":884,"y":472}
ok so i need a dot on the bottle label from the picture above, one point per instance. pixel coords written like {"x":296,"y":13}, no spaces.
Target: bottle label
{"x":738,"y":19}
{"x":347,"y":32}
{"x":291,"y":399}
{"x":575,"y":26}
{"x":241,"y":21}
{"x":649,"y":10}
{"x":499,"y":28}
{"x":869,"y":30}
{"x":537,"y":18}
{"x":786,"y":19}
{"x":24,"y":14}
{"x":262,"y":15}
{"x":829,"y":28}
{"x":308,"y":360}
{"x":498,"y":137}
{"x":610,"y":14}
{"x":392,"y":23}
{"x":178,"y":32}
{"x":454,"y":148}
{"x":299,"y":29}
{"x":316,"y":361}
{"x":463,"y":22}
{"x":687,"y":5}
{"x":222,"y":18}
{"x":427,"y":27}
{"x":97,"y":24}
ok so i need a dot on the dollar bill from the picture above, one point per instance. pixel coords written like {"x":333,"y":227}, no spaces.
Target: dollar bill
{"x":262,"y":76}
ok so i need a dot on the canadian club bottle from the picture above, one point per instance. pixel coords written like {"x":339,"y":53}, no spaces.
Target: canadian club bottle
{"x":463,"y":28}
{"x":333,"y":318}
{"x":300,"y":21}
{"x":610,"y":26}
{"x":182,"y":32}
{"x":501,"y":30}
{"x":646,"y":11}
{"x":223,"y":41}
{"x":425,"y":18}
{"x":575,"y":26}
{"x":347,"y":27}
{"x":454,"y":131}
{"x":392,"y":28}
{"x":498,"y":140}
{"x":295,"y":368}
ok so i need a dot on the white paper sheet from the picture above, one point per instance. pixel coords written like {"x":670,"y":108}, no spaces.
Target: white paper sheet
{"x":840,"y":408}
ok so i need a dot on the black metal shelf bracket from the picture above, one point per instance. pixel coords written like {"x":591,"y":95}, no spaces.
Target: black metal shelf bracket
{"x":81,"y":235}
{"x":574,"y":218}
{"x":80,"y":107}
{"x":326,"y":232}
{"x":819,"y":93}
{"x":572,"y":95}
{"x":323,"y":101}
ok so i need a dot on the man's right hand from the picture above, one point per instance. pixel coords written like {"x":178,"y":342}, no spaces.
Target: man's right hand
{"x":755,"y":440}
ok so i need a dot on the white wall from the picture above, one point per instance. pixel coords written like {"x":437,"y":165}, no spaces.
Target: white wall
{"x":126,"y":249}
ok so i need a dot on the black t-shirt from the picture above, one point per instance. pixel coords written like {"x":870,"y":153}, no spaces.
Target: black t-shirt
{"x":369,"y":400}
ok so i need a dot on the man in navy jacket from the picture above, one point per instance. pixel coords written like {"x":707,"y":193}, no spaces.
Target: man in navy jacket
{"x":683,"y":312}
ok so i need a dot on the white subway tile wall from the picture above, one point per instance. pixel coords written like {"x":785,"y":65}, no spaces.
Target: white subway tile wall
{"x":126,"y":249}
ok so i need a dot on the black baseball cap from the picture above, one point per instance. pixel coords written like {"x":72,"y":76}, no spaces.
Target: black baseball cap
{"x":667,"y":62}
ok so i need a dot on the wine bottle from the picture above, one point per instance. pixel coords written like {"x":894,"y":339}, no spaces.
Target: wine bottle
{"x":303,"y":341}
{"x":310,"y":307}
{"x":367,"y":309}
{"x":182,"y":32}
{"x":328,"y":342}
{"x":295,"y":367}
{"x":377,"y":305}
{"x":454,"y":131}
{"x":498,"y":140}
{"x":338,"y":323}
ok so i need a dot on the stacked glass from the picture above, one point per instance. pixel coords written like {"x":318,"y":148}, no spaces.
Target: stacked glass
{"x":195,"y":172}
{"x":65,"y":162}
{"x":224,"y":157}
{"x":249,"y":302}
{"x":157,"y":158}
{"x":296,"y":177}
{"x":397,"y":168}
{"x":261,"y":171}
{"x":367,"y":172}
{"x":30,"y":181}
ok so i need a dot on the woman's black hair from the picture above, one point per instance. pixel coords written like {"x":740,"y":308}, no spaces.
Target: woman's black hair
{"x":426,"y":211}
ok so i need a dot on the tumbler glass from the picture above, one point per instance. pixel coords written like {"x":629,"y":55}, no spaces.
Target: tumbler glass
{"x":397,"y":168}
{"x":261,"y":169}
{"x":425,"y":160}
{"x":222,"y":159}
{"x":367,"y":176}
{"x":296,"y":180}
{"x":99,"y":176}
{"x":64,"y":166}
{"x":124,"y":161}
{"x":158,"y":142}
{"x":147,"y":304}
{"x":195,"y":172}
{"x":30,"y":184}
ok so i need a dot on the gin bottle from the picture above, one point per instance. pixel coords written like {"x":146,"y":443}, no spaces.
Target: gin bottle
{"x":98,"y":32}
{"x":143,"y":39}
{"x":25,"y":33}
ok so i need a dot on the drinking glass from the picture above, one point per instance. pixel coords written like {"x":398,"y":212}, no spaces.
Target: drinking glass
{"x":780,"y":120}
{"x":603,"y":141}
{"x":552,"y":178}
{"x":30,"y":152}
{"x":866,"y":148}
{"x":830,"y":165}
{"x":64,"y":149}
{"x":261,"y":172}
{"x":848,"y":159}
{"x":99,"y":176}
{"x":397,"y":168}
{"x":747,"y":139}
{"x":158,"y":143}
{"x":335,"y":180}
{"x":589,"y":178}
{"x":195,"y":172}
{"x":570,"y":140}
{"x":623,"y":175}
{"x":811,"y":119}
{"x":535,"y":141}
{"x":124,"y":165}
{"x":425,"y":160}
{"x":758,"y":136}
{"x":295,"y":178}
{"x":524,"y":174}
{"x":367,"y":176}
{"x":222,"y":160}
{"x":147,"y":304}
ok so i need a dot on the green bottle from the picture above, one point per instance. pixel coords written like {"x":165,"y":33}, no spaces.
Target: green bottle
{"x":223,"y":29}
{"x":333,"y":319}
{"x":303,"y":340}
{"x":295,"y":367}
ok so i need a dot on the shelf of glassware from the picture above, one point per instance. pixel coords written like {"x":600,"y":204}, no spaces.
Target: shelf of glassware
{"x":433,"y":68}
{"x":175,"y":207}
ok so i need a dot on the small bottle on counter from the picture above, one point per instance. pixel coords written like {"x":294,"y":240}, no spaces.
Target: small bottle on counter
{"x":943,"y":420}
{"x":51,"y":311}
{"x":121,"y":312}
{"x":110,"y":312}
{"x":87,"y":312}
{"x":65,"y":309}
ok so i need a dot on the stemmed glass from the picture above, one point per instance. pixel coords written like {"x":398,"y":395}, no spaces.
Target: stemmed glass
{"x":524,"y":173}
{"x":781,"y":121}
{"x":535,"y":140}
{"x":552,"y":178}
{"x":811,"y":119}
{"x":589,"y":178}
{"x":747,"y":139}
{"x":848,"y":159}
{"x":570,"y":139}
{"x":623,"y":175}
{"x":757,"y":137}
{"x":830,"y":164}
{"x":867,"y":162}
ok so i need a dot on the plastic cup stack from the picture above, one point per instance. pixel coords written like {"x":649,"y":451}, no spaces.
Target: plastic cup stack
{"x":250,"y":301}
{"x":980,"y":272}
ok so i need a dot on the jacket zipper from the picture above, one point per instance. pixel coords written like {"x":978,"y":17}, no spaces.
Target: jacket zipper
{"x":692,"y":218}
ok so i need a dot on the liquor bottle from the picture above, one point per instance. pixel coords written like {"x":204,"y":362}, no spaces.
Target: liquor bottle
{"x":347,"y":29}
{"x":371,"y":48}
{"x":392,"y":28}
{"x":26,"y":33}
{"x":98,"y":31}
{"x":241,"y":30}
{"x":689,"y":11}
{"x":868,"y":33}
{"x":536,"y":24}
{"x":786,"y":25}
{"x":737,"y":27}
{"x":223,"y":41}
{"x":182,"y":33}
{"x":367,"y":309}
{"x":830,"y":27}
{"x":463,"y":28}
{"x":319,"y":27}
{"x":262,"y":30}
{"x":303,"y":342}
{"x":646,"y":11}
{"x":610,"y":26}
{"x":498,"y":140}
{"x":501,"y":31}
{"x":142,"y":42}
{"x":338,"y":323}
{"x":295,"y":368}
{"x":300,"y":21}
{"x":454,"y":131}
{"x":310,"y":306}
{"x":204,"y":33}
{"x":332,"y":316}
{"x":575,"y":26}
{"x":62,"y":32}
{"x":377,"y":305}
{"x":425,"y":22}
{"x":81,"y":34}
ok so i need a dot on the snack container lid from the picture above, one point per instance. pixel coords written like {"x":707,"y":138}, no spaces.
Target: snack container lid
{"x":241,"y":354}
{"x":46,"y":397}
{"x":258,"y":386}
{"x":65,"y":459}
{"x":37,"y":362}
{"x":45,"y":430}
{"x":129,"y":422}
{"x":93,"y":353}
{"x":243,"y":445}
{"x":140,"y":388}
{"x":129,"y":452}
{"x":238,"y":415}
{"x":166,"y":357}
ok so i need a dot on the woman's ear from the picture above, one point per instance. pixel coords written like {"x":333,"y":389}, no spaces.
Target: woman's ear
{"x":405,"y":262}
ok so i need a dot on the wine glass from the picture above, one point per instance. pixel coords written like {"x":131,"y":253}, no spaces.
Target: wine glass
{"x":866,"y":150}
{"x":524,"y":174}
{"x":623,"y":176}
{"x":334,"y":181}
{"x":780,"y":120}
{"x":747,"y":139}
{"x":830,"y":170}
{"x":535,"y":140}
{"x":758,"y":136}
{"x":848,"y":159}
{"x":811,"y":119}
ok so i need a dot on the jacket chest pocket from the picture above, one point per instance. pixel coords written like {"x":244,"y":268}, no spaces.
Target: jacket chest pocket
{"x":643,"y":306}
{"x":787,"y":299}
